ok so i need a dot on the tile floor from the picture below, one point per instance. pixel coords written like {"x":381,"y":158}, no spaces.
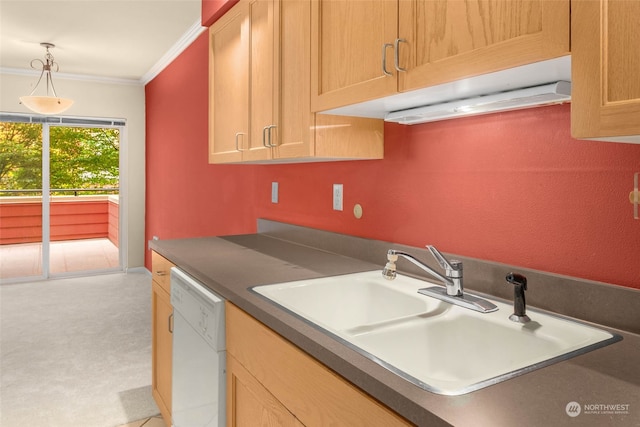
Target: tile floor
{"x":156,"y":421}
{"x":25,"y":259}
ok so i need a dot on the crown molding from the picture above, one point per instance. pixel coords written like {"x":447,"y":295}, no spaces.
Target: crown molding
{"x":69,"y":76}
{"x":187,"y":38}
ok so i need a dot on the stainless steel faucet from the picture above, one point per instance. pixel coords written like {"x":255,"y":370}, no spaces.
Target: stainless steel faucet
{"x":452,"y":269}
{"x":453,"y":291}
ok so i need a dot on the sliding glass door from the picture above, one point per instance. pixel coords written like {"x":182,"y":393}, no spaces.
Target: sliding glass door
{"x":59,"y":198}
{"x":21,"y":207}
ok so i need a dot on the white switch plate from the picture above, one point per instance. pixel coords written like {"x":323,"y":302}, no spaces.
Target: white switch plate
{"x":274,"y":192}
{"x":337,"y":197}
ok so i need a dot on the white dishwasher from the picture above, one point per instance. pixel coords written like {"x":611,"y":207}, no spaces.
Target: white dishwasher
{"x":199,"y":356}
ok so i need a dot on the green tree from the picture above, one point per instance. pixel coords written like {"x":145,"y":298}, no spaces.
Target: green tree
{"x":20,"y":156}
{"x":84,"y":157}
{"x":79,"y":157}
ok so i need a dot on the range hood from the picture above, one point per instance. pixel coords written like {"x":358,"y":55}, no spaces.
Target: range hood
{"x":552,"y":93}
{"x":551,"y":75}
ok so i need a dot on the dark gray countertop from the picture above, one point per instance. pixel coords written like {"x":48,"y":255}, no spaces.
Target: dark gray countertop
{"x":230,"y":265}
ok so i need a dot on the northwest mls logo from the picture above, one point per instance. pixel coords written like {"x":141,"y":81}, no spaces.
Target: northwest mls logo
{"x":573,"y":409}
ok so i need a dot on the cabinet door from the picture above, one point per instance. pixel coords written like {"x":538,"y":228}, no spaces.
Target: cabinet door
{"x":263,"y":88}
{"x":312,"y":392}
{"x":347,"y":48}
{"x":295,"y":135}
{"x":250,"y":404}
{"x":451,"y":40}
{"x":161,"y":271}
{"x":605,"y":70}
{"x":229,"y":86}
{"x":161,"y":350}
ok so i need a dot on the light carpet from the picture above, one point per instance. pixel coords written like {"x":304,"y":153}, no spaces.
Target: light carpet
{"x":76,"y":352}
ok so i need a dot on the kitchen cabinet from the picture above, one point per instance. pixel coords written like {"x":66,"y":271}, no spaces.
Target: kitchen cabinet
{"x":605,"y":71}
{"x":229,"y":88}
{"x":369,"y":49}
{"x":250,"y":404}
{"x":268,"y":378}
{"x":260,"y":94}
{"x":161,"y":342}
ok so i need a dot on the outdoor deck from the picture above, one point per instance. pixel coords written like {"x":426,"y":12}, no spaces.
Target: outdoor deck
{"x":25,"y":259}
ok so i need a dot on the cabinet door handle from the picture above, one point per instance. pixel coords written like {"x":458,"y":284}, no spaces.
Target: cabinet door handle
{"x":384,"y":59}
{"x":396,"y":56}
{"x":264,"y":136}
{"x":237,"y":144}
{"x":170,"y":323}
{"x":161,"y":273}
{"x":269,"y":135}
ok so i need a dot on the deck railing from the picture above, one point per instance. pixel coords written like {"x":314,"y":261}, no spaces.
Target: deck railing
{"x":71,"y":217}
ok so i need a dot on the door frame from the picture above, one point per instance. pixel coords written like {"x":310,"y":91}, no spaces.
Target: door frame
{"x":86,"y":122}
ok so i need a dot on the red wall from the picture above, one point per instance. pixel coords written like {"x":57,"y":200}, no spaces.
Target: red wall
{"x":511,"y":187}
{"x":185,"y":196}
{"x":213,"y":9}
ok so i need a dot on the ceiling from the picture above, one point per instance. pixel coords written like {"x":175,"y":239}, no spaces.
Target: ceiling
{"x":130,"y":40}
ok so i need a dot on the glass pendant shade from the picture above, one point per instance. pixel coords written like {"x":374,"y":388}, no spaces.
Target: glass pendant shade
{"x":46,"y":104}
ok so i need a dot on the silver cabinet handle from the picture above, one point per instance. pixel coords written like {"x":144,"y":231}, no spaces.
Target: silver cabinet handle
{"x":384,"y":59}
{"x":266,"y":136}
{"x":237,"y":144}
{"x":396,"y":56}
{"x":269,"y":128}
{"x":170,"y":323}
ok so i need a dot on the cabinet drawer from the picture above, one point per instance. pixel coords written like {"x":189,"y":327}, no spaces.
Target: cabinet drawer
{"x":161,"y":269}
{"x":313,"y":393}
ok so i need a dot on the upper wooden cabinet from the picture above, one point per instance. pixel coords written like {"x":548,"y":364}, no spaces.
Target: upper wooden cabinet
{"x":605,"y":70}
{"x":230,"y":87}
{"x":351,"y":47}
{"x":370,"y":49}
{"x":260,"y":94}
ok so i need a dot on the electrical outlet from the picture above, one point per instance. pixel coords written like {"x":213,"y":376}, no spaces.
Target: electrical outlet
{"x":274,"y":192}
{"x":337,"y":197}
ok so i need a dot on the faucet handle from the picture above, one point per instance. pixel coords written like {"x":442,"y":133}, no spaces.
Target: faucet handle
{"x":452,"y":268}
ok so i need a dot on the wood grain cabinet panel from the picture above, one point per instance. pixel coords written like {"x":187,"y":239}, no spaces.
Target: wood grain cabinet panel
{"x":229,"y":86}
{"x":412,"y":44}
{"x":161,"y":339}
{"x":305,"y":388}
{"x":260,"y":94}
{"x":605,"y":70}
{"x":249,"y":404}
{"x":161,"y":273}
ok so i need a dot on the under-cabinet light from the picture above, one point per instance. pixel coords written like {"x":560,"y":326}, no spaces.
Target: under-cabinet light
{"x":553,"y":93}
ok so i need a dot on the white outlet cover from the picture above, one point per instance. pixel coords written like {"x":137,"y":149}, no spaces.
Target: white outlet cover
{"x":337,"y":197}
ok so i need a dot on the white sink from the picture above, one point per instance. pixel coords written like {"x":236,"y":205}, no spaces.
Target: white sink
{"x":440,"y":347}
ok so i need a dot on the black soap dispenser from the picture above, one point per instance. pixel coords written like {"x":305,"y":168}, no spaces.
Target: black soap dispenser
{"x":519,"y":283}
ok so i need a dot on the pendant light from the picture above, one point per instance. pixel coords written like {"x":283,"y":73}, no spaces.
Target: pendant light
{"x":46,"y":104}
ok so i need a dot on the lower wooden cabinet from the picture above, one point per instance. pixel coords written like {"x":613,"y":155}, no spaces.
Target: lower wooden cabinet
{"x":162,"y":339}
{"x":250,"y":404}
{"x":272,"y":382}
